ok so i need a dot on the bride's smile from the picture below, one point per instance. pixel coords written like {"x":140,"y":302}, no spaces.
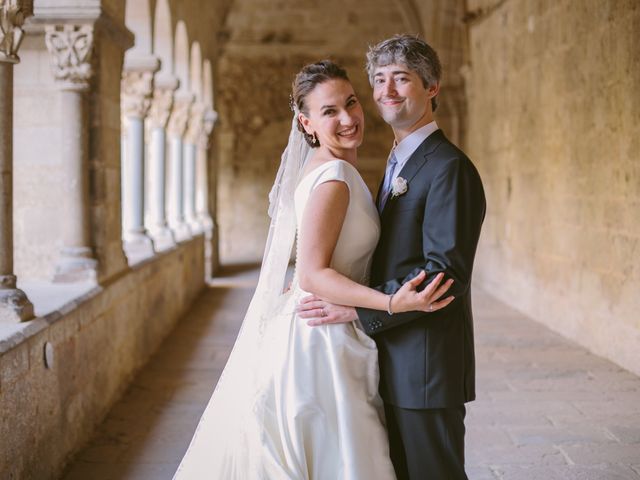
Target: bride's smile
{"x":334,"y":115}
{"x":349,"y":132}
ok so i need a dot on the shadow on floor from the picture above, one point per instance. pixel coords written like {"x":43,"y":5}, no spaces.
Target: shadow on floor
{"x":146,"y":433}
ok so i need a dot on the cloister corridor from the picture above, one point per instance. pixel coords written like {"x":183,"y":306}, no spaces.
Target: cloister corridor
{"x":546,"y":409}
{"x":139,"y":140}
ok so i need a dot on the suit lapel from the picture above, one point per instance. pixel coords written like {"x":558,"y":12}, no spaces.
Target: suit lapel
{"x":415,"y":162}
{"x":380,"y":188}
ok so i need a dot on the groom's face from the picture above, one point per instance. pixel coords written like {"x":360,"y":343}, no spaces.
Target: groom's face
{"x":400,"y":95}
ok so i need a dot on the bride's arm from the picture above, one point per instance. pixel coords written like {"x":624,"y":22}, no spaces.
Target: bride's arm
{"x":321,"y":225}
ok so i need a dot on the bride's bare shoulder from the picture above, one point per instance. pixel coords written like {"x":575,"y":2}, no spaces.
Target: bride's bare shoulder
{"x":317,"y":162}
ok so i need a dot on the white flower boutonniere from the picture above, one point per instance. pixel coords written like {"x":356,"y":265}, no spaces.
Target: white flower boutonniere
{"x":399,"y":187}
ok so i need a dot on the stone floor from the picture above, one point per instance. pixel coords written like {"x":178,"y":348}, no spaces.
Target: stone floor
{"x":546,"y":408}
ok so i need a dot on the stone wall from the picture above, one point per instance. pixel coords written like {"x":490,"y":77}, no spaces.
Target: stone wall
{"x":99,"y":343}
{"x":268,"y":42}
{"x":554,"y":126}
{"x":255,"y":120}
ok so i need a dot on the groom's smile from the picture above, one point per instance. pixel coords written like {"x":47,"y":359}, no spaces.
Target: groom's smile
{"x":392,"y":102}
{"x":401,"y":97}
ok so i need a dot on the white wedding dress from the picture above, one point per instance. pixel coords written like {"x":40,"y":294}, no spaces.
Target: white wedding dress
{"x":314,"y":412}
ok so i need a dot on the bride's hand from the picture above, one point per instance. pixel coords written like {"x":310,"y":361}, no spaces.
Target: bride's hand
{"x":408,"y":299}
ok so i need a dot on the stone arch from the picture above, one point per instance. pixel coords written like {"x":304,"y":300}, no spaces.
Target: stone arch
{"x":195,"y":74}
{"x":137,"y":17}
{"x":441,"y":24}
{"x":163,"y":36}
{"x":181,"y":56}
{"x":207,"y":83}
{"x":410,"y":16}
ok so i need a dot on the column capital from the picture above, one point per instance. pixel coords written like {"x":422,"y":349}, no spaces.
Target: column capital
{"x":12,"y":16}
{"x":162,"y":101}
{"x":180,"y":113}
{"x":209,"y":119}
{"x":137,"y":90}
{"x":196,"y":122}
{"x":70,"y":47}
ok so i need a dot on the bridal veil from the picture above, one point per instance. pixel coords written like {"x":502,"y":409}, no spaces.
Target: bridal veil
{"x":225,"y":425}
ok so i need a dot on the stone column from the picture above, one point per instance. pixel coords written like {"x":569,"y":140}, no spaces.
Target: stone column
{"x":14,"y":304}
{"x":70,"y":47}
{"x":137,"y":89}
{"x":194,"y":130}
{"x":202,"y":194}
{"x":157,"y":122}
{"x":177,"y":129}
{"x":202,"y":170}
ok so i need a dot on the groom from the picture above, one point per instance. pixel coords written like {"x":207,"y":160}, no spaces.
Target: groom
{"x":431,"y":205}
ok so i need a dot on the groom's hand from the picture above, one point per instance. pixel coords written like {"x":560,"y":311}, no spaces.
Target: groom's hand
{"x":318,"y":312}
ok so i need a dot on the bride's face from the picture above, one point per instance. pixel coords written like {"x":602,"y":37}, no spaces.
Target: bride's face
{"x":335,"y":115}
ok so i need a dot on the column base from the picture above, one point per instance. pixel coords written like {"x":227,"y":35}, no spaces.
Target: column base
{"x":206,"y":221}
{"x":15,"y":307}
{"x":181,"y":232}
{"x":76,"y":264}
{"x":212,"y":262}
{"x":162,"y":238}
{"x":195,"y":226}
{"x":137,"y":246}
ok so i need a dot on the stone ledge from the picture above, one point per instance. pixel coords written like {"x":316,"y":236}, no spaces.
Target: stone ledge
{"x":71,"y":296}
{"x":12,"y":335}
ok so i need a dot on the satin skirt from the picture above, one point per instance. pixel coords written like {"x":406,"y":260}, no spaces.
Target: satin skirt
{"x":314,"y":411}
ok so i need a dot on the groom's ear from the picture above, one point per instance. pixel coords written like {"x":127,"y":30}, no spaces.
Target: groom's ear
{"x":433,"y":90}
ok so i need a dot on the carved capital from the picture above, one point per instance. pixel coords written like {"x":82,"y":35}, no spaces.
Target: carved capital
{"x":209,"y":120}
{"x":161,"y":107}
{"x":12,"y":16}
{"x":180,"y":115}
{"x":137,"y":90}
{"x":196,"y":122}
{"x":70,"y":47}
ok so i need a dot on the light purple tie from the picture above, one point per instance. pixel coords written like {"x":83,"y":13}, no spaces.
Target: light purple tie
{"x":386,"y":187}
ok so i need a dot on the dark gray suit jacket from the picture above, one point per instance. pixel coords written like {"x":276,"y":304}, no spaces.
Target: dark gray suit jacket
{"x":427,"y":359}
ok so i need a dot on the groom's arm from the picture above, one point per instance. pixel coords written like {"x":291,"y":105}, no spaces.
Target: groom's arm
{"x":454,"y":212}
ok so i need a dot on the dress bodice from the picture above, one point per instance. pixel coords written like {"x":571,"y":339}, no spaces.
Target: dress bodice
{"x":361,"y":227}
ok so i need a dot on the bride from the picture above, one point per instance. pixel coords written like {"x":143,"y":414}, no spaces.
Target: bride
{"x":298,"y":402}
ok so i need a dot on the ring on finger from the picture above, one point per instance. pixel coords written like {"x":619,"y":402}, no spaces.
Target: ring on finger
{"x":431,"y":307}
{"x":324,"y":314}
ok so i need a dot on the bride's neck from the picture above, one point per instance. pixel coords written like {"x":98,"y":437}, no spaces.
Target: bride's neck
{"x":348,"y":155}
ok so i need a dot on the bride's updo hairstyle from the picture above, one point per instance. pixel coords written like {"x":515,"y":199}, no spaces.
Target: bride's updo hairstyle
{"x":306,"y":80}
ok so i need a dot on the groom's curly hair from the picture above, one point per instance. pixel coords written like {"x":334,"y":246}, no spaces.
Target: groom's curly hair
{"x":307,"y":79}
{"x":411,"y":51}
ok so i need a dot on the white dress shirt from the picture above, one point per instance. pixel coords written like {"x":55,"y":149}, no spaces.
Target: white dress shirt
{"x":408,"y":145}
